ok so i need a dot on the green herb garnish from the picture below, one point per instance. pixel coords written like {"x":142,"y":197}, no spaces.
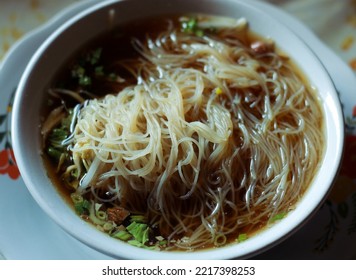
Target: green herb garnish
{"x":99,"y":70}
{"x":94,"y":56}
{"x":112,"y":77}
{"x":277,"y":217}
{"x":87,"y":67}
{"x":81,"y":205}
{"x":55,"y":148}
{"x":139,"y":231}
{"x":191,"y":27}
{"x":54,"y":153}
{"x":122,"y":235}
{"x":138,"y":219}
{"x":242,"y":237}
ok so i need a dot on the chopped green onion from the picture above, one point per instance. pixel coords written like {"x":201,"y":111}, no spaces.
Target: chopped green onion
{"x":93,"y":57}
{"x":139,"y":231}
{"x":82,"y":206}
{"x":75,"y":173}
{"x":162,"y":242}
{"x":99,"y":70}
{"x":277,"y":217}
{"x":54,"y":153}
{"x":152,"y":248}
{"x":93,"y":215}
{"x":136,"y":243}
{"x":108,"y":226}
{"x":97,"y":206}
{"x":138,"y":219}
{"x":78,"y":71}
{"x":56,"y":137}
{"x":84,"y":81}
{"x":66,"y":122}
{"x":87,"y":67}
{"x":56,"y":149}
{"x":134,"y":226}
{"x":199,"y":33}
{"x":146,"y":235}
{"x":59,"y":133}
{"x":191,"y":27}
{"x":242,"y":237}
{"x":86,"y":204}
{"x":220,"y":240}
{"x":122,"y":235}
{"x":76,"y":198}
{"x":101,"y":215}
{"x":112,"y":77}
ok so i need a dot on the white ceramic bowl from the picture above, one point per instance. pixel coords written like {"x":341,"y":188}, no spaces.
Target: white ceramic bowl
{"x":86,"y":25}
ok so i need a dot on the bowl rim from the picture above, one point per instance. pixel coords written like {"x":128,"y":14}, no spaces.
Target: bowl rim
{"x":225,"y":252}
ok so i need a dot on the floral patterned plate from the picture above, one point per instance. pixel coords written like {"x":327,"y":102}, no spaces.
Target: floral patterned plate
{"x":26,"y":232}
